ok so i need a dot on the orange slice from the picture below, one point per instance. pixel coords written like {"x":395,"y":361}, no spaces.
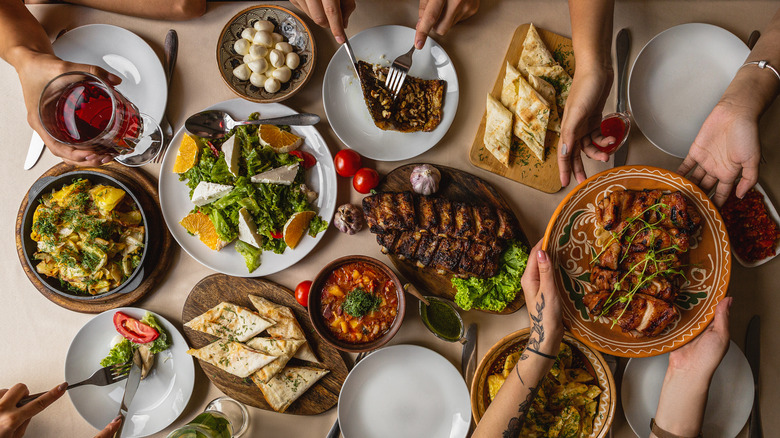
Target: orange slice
{"x":187,"y":155}
{"x":200,"y":225}
{"x":296,"y":226}
{"x":280,"y":141}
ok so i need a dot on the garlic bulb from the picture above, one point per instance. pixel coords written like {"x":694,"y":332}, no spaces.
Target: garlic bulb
{"x":348,"y":219}
{"x":425,"y":179}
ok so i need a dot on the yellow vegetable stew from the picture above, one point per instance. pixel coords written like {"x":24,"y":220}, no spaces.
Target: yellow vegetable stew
{"x":90,"y":237}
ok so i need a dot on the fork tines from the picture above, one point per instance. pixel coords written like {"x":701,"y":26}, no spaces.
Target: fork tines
{"x":396,"y":75}
{"x":120,"y":370}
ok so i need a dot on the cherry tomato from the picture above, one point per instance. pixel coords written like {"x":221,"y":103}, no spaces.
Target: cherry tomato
{"x":133,"y":329}
{"x":347,"y":162}
{"x":308,"y":159}
{"x":365,"y":179}
{"x":302,"y":293}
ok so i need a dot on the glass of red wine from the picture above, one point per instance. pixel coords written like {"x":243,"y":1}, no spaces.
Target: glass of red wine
{"x":83,"y":111}
{"x":616,"y":125}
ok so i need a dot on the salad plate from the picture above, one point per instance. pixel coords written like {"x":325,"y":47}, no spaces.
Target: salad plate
{"x":162,"y":395}
{"x":346,"y":109}
{"x":175,"y":201}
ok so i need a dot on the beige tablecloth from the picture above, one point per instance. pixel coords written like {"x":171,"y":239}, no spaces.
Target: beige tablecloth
{"x":36,"y":333}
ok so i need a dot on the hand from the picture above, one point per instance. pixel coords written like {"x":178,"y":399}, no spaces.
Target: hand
{"x":13,"y":420}
{"x":701,"y":356}
{"x":727,"y":145}
{"x":110,"y":429}
{"x":35,"y":71}
{"x":328,"y":13}
{"x":440,"y":16}
{"x":543,"y":303}
{"x":582,"y":121}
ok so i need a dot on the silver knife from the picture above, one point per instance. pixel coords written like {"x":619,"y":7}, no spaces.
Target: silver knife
{"x":133,"y":379}
{"x":468,"y":362}
{"x":622,"y":47}
{"x":34,"y":152}
{"x":753,"y":354}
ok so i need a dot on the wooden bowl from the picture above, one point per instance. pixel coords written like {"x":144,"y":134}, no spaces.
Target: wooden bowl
{"x":315,"y":305}
{"x":568,"y":239}
{"x":596,"y":364}
{"x":289,"y":25}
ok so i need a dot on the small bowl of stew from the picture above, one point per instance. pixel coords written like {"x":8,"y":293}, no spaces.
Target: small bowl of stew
{"x":356,"y":303}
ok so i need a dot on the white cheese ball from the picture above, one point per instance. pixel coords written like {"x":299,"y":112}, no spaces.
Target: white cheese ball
{"x":283,"y":74}
{"x":249,"y":58}
{"x":283,"y":47}
{"x":258,"y":65}
{"x":272,"y":85}
{"x":292,"y":60}
{"x":276,"y":58}
{"x":277,"y":37}
{"x":258,"y":51}
{"x":263,"y":26}
{"x":248,"y":34}
{"x":264,"y":39}
{"x":242,"y":72}
{"x":258,"y":79}
{"x":241,"y":46}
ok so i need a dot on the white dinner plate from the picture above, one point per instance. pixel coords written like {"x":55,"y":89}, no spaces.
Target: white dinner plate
{"x":124,"y":54}
{"x":161,"y":396}
{"x":728,"y":403}
{"x":677,"y":79}
{"x":175,"y":201}
{"x":346,"y":109}
{"x":404,"y":391}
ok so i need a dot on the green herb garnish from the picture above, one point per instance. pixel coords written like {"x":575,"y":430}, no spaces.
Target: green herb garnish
{"x":360,"y":302}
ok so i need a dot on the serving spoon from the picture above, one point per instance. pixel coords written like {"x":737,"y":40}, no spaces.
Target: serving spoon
{"x":215,"y":124}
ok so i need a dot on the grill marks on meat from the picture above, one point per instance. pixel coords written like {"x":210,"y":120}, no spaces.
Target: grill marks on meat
{"x":644,"y":314}
{"x":658,"y":287}
{"x":435,"y":232}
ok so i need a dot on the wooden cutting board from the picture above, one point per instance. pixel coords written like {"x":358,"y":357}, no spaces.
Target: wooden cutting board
{"x":455,"y":185}
{"x":219,"y":287}
{"x":524,"y":166}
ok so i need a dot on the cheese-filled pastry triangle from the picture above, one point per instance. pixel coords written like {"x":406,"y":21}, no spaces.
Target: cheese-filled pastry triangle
{"x":233,"y":357}
{"x":282,"y":348}
{"x":281,"y":391}
{"x":286,"y":326}
{"x":229,"y":321}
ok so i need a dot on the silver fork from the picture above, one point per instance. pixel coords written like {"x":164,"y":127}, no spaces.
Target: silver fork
{"x":396,"y":75}
{"x":102,"y":377}
{"x":171,"y":48}
{"x":336,"y":429}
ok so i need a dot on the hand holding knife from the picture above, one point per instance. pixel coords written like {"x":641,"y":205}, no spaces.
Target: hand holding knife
{"x":133,"y":379}
{"x":622,"y":47}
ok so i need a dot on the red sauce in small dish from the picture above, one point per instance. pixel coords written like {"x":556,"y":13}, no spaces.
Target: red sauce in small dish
{"x":752,"y":231}
{"x":615,"y":127}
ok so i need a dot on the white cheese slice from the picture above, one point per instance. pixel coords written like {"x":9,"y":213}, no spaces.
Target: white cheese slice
{"x":281,"y":175}
{"x":207,"y":192}
{"x":231,"y":151}
{"x":247,"y":230}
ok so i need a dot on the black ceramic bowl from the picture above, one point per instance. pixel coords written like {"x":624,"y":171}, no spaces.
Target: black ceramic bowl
{"x":47,"y":185}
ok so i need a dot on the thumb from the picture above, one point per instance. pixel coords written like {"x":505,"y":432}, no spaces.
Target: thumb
{"x":720,"y":323}
{"x":99,"y":72}
{"x":546,"y":280}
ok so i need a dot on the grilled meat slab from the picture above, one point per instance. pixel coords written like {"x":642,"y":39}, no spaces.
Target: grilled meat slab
{"x":644,"y":314}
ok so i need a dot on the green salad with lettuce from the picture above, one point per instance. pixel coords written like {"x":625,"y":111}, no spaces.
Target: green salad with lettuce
{"x":494,"y":293}
{"x":269,"y":205}
{"x":123,"y":351}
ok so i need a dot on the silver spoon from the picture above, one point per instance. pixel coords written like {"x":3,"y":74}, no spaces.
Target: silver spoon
{"x":215,"y":124}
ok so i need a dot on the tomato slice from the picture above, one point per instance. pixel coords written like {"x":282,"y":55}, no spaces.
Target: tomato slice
{"x":308,"y":159}
{"x":133,"y":329}
{"x":276,"y":234}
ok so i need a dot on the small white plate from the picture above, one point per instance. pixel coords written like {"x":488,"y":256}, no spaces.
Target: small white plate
{"x":677,"y":79}
{"x":770,"y":207}
{"x":175,"y":200}
{"x":728,"y":403}
{"x":162,"y":395}
{"x":346,"y":109}
{"x":404,"y":391}
{"x":124,"y":54}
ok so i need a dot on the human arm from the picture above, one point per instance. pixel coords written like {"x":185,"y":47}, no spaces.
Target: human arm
{"x":727,"y":144}
{"x":154,"y":9}
{"x":591,"y":30}
{"x":505,"y":415}
{"x":687,"y":381}
{"x":333,"y":14}
{"x":440,"y":16}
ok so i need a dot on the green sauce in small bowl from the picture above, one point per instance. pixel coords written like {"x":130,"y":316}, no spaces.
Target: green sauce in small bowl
{"x":442,"y":319}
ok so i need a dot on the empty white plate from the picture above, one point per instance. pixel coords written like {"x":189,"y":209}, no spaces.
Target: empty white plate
{"x":343,"y":99}
{"x":677,"y":79}
{"x":404,"y":391}
{"x":728,"y":403}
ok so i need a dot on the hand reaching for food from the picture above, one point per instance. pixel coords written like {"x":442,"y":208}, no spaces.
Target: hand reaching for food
{"x":440,"y":16}
{"x":333,"y":14}
{"x":543,"y":303}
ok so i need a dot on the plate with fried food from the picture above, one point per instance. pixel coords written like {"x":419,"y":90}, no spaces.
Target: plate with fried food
{"x":364,"y":115}
{"x":642,"y":258}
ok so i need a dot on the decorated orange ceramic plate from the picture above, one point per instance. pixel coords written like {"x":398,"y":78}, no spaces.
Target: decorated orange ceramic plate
{"x":583,"y":356}
{"x":572,"y":232}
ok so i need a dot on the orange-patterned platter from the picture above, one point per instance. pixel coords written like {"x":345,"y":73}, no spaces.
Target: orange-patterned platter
{"x":570,"y":236}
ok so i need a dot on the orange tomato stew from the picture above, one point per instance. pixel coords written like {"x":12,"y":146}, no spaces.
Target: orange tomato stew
{"x":359,"y":302}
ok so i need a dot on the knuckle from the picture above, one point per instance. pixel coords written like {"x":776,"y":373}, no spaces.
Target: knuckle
{"x":331,"y":10}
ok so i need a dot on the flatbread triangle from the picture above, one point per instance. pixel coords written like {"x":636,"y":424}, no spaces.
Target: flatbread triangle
{"x":282,"y":390}
{"x":286,"y":326}
{"x":531,"y":118}
{"x":232,"y":357}
{"x":229,"y":321}
{"x":282,"y":348}
{"x":498,"y":130}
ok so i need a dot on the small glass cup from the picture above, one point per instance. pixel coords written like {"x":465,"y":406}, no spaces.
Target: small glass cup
{"x":222,"y":418}
{"x":423,"y":309}
{"x":82,"y":111}
{"x":609,"y":123}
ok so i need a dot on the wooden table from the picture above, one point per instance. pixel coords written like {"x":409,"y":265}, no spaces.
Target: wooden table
{"x":36,"y":333}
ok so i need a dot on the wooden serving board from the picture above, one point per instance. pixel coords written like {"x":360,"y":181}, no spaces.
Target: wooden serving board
{"x":455,"y":185}
{"x":159,"y":254}
{"x":524,"y":166}
{"x":220,"y":287}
